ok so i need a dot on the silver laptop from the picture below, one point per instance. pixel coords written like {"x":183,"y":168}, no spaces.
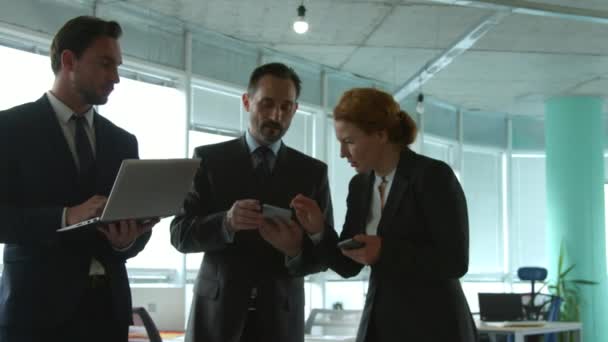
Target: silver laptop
{"x":146,"y":189}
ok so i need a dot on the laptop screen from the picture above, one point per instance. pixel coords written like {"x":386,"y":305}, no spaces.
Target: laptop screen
{"x":499,"y":307}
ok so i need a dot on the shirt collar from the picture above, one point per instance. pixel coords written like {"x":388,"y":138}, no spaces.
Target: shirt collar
{"x":388,"y":177}
{"x":253,"y":144}
{"x":64,"y":113}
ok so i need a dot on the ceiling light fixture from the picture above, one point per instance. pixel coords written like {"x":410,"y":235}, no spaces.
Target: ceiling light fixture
{"x":420,"y":104}
{"x":300,"y":25}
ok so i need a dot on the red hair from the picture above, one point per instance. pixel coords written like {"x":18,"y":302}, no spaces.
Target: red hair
{"x":373,"y":110}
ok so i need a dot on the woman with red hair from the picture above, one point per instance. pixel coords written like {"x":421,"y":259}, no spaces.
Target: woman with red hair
{"x":408,"y":216}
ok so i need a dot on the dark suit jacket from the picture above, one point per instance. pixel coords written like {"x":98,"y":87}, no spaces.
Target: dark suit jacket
{"x":46,"y":272}
{"x":414,"y":293}
{"x":230,"y":270}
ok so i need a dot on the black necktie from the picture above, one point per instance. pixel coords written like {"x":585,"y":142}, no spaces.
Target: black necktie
{"x":261,"y":160}
{"x":84,"y":152}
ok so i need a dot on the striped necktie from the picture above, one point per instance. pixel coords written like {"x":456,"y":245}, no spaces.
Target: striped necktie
{"x":261,"y":160}
{"x":382,"y":191}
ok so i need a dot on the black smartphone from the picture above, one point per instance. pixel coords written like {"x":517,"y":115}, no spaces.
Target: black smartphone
{"x":350,"y":244}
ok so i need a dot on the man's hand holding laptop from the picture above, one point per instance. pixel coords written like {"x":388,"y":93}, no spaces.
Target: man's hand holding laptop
{"x":137,"y":200}
{"x":89,"y":209}
{"x":122,"y":234}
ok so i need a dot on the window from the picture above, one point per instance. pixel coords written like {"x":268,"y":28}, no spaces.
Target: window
{"x":19,"y":86}
{"x":156,"y":116}
{"x":527,"y":231}
{"x":351,"y":294}
{"x":437,"y":150}
{"x":300,"y":133}
{"x":217,"y":108}
{"x":196,"y":139}
{"x":481,"y":180}
{"x":340,"y":174}
{"x":313,"y":296}
{"x":23,"y":86}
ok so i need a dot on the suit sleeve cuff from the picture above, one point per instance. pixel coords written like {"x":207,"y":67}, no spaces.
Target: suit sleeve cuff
{"x":125,"y":248}
{"x":228,"y":235}
{"x":64,"y":217}
{"x":316,"y":238}
{"x":293,"y":262}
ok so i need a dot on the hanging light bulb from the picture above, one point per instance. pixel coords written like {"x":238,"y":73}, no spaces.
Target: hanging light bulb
{"x":420,"y":104}
{"x":300,"y":25}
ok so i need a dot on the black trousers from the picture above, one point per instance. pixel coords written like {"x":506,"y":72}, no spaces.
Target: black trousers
{"x":93,"y":322}
{"x":372,"y":333}
{"x":250,"y":331}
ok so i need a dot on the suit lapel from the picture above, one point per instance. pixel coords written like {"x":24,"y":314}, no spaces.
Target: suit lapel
{"x":281,"y":167}
{"x":281,"y":187}
{"x":103,"y":141}
{"x":244,"y":164}
{"x":244,"y":156}
{"x":50,"y":127}
{"x":365,"y":201}
{"x":398,"y":189}
{"x":104,"y":153}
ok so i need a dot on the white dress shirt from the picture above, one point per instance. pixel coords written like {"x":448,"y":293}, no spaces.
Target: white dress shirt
{"x":375,"y":210}
{"x":68,"y":126}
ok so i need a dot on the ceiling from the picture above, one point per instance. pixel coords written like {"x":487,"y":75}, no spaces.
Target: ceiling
{"x":522,"y":60}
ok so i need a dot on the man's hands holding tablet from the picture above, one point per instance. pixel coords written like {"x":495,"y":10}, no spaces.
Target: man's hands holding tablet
{"x":350,"y":244}
{"x":280,"y":230}
{"x":275,"y":224}
{"x":244,"y":214}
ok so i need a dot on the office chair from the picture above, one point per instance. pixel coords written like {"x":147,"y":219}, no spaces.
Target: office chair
{"x":532,"y":309}
{"x":539,"y":306}
{"x":142,"y":318}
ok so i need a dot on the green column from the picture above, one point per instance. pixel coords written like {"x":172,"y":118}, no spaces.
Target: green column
{"x":575,"y":201}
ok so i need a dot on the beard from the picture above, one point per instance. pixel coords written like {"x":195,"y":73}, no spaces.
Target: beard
{"x":90,"y":97}
{"x":88,"y":94}
{"x":271,"y":131}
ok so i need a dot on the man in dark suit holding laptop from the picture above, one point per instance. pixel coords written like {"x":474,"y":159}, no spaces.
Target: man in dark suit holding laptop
{"x":250,"y":285}
{"x":60,"y":159}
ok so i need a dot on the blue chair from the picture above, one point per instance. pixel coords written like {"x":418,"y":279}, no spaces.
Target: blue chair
{"x":532,"y":309}
{"x":539,"y":306}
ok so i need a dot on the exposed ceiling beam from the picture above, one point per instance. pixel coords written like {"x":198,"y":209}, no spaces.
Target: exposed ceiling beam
{"x":535,"y":8}
{"x":466,"y":41}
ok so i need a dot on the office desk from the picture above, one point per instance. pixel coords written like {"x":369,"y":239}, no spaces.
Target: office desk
{"x":328,"y":338}
{"x":307,"y":338}
{"x":520,"y":332}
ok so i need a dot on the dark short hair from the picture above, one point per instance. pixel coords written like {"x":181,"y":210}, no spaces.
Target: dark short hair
{"x":278,"y":70}
{"x":78,"y":34}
